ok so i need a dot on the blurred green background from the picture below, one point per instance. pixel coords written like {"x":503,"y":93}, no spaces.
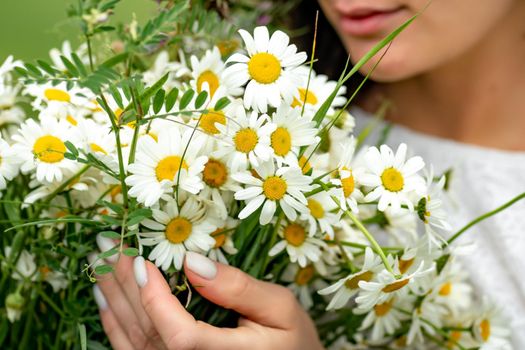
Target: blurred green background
{"x":30,"y":28}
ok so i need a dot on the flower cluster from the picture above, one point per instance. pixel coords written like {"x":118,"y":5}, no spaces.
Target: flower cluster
{"x":243,"y":145}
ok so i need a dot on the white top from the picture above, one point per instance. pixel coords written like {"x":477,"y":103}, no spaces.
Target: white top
{"x":482,"y":180}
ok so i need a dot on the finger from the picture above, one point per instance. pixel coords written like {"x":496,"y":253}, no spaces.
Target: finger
{"x":177,"y":328}
{"x":122,"y":309}
{"x":262,"y":302}
{"x":127,"y":283}
{"x":117,"y":337}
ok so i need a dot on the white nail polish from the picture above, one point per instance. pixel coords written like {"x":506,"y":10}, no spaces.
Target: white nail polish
{"x":139,"y":269}
{"x":100,"y":299}
{"x":105,"y":244}
{"x":201,"y":265}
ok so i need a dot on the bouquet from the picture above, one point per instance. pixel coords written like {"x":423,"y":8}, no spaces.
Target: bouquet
{"x":180,"y":136}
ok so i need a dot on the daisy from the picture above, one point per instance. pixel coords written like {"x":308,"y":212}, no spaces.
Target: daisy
{"x":385,"y":285}
{"x":315,"y":89}
{"x":41,"y":147}
{"x":223,"y":241}
{"x":59,"y":97}
{"x":320,"y":214}
{"x":173,"y":232}
{"x":347,"y":188}
{"x":217,"y":181}
{"x":300,"y":247}
{"x":160,"y":166}
{"x":392,"y":177}
{"x":163,"y":65}
{"x":491,"y":328}
{"x":247,"y":140}
{"x":301,"y":279}
{"x":8,"y":166}
{"x":269,"y":69}
{"x":348,"y":287}
{"x":284,"y":186}
{"x":292,"y":132}
{"x":427,"y":311}
{"x":207,"y":73}
{"x":384,"y":318}
{"x":430,"y":210}
{"x":452,"y":290}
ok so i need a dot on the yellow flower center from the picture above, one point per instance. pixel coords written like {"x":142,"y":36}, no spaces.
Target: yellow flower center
{"x":210,"y":78}
{"x":305,"y":97}
{"x":392,"y":180}
{"x":57,"y":95}
{"x":220,"y":238}
{"x":485,"y":329}
{"x":264,"y":68}
{"x":281,"y":141}
{"x":404,"y":265}
{"x":168,"y":167}
{"x":49,"y":149}
{"x":353,"y":282}
{"x":316,"y":209}
{"x":115,"y":191}
{"x":178,"y":230}
{"x":304,"y":275}
{"x":294,"y":234}
{"x":382,"y":309}
{"x":245,"y":140}
{"x":96,"y":148}
{"x":305,"y":164}
{"x":392,"y":287}
{"x":274,"y":188}
{"x":445,"y":289}
{"x":209,"y":119}
{"x":215,"y":173}
{"x":348,"y":185}
{"x":71,"y":120}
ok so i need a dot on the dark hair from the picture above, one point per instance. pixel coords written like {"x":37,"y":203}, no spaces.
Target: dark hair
{"x":330,"y":52}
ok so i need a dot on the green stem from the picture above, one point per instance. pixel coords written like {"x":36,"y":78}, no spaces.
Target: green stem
{"x":51,"y":303}
{"x":90,"y":52}
{"x":485,"y":216}
{"x":377,"y":248}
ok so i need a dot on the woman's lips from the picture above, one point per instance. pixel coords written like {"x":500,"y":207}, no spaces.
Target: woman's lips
{"x":369,"y":21}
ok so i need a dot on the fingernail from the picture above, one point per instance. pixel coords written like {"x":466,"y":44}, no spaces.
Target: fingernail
{"x":201,"y":265}
{"x":100,"y":299}
{"x":105,"y":244}
{"x":139,"y":269}
{"x":94,"y":261}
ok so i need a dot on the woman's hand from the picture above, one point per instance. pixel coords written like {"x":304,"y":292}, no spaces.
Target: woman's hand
{"x":138,"y":310}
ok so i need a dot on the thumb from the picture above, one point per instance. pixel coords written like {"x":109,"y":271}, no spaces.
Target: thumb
{"x":262,"y":302}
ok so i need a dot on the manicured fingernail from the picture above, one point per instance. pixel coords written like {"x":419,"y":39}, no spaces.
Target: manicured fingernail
{"x":100,"y":299}
{"x":139,"y":268}
{"x":201,"y":265}
{"x":105,"y":244}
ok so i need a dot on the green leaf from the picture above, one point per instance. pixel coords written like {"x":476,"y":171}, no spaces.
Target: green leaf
{"x":158,"y":100}
{"x":71,"y":148}
{"x":32,"y":70}
{"x":115,"y":60}
{"x":70,"y":156}
{"x":21,"y":71}
{"x":110,"y":234}
{"x":82,"y":334}
{"x":201,"y":98}
{"x":171,"y":98}
{"x":71,"y":69}
{"x":135,"y":220}
{"x":152,"y":90}
{"x":108,"y":253}
{"x":147,"y":213}
{"x":110,"y":220}
{"x":116,"y":96}
{"x":103,"y":269}
{"x":80,"y":65}
{"x":130,"y":252}
{"x":47,"y":67}
{"x":108,"y":5}
{"x":186,"y":99}
{"x":221,"y":104}
{"x":117,"y":208}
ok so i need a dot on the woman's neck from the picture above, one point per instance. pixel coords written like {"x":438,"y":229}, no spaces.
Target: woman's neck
{"x":478,"y":98}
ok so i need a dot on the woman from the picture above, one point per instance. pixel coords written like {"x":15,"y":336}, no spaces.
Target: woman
{"x":455,"y":81}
